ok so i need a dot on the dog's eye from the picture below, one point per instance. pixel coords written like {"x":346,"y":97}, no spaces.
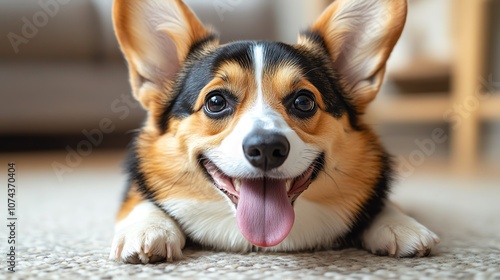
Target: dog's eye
{"x":304,"y":103}
{"x":216,"y":103}
{"x":220,"y":104}
{"x":301,"y":104}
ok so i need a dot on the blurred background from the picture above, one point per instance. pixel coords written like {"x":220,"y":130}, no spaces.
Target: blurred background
{"x":62,"y":75}
{"x":67,"y":116}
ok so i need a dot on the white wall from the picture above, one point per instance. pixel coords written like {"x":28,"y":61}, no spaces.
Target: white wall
{"x":427,"y":33}
{"x":294,"y":16}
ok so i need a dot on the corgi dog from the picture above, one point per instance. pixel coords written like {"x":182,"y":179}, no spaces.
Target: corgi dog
{"x":259,"y":146}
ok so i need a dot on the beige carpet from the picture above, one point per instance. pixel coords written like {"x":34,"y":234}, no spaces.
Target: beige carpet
{"x":65,"y":229}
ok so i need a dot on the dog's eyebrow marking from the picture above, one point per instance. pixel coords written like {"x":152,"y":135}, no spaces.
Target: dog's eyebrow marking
{"x":224,"y":76}
{"x":258,"y":56}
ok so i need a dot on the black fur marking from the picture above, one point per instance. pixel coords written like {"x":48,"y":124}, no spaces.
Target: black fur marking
{"x":289,"y":102}
{"x":373,"y":206}
{"x":200,"y":45}
{"x":231,"y":103}
{"x":319,"y":165}
{"x":314,"y":37}
{"x":325,"y":59}
{"x":318,"y":69}
{"x":135,"y":174}
{"x":130,"y":161}
{"x":200,"y":68}
{"x":239,"y":52}
{"x":195,"y":79}
{"x":193,"y":55}
{"x":133,"y":164}
{"x":198,"y":71}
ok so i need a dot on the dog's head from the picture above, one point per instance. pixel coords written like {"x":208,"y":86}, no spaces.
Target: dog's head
{"x":255,"y":123}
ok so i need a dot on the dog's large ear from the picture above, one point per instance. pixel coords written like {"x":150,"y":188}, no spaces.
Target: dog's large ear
{"x":359,"y":36}
{"x":155,"y":37}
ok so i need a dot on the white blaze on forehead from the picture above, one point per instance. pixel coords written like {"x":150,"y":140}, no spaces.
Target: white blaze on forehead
{"x":262,"y":115}
{"x":258,"y":60}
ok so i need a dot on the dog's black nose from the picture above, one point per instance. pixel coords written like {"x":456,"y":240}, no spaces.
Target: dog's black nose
{"x":266,"y":150}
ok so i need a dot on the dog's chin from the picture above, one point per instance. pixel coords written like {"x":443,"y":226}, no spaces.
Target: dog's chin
{"x":231,"y":186}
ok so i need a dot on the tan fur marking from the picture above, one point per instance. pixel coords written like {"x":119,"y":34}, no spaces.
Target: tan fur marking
{"x":231,"y":77}
{"x":352,"y":162}
{"x":287,"y":80}
{"x":169,"y":174}
{"x":351,"y":171}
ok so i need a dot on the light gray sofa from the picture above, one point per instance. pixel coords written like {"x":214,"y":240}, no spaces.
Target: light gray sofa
{"x":61,"y":70}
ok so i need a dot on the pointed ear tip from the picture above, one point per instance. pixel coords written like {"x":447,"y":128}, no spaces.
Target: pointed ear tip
{"x":119,"y":19}
{"x":121,"y":13}
{"x":116,"y":12}
{"x":119,"y":8}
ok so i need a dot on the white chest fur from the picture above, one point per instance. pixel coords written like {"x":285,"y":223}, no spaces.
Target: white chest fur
{"x":213,"y":224}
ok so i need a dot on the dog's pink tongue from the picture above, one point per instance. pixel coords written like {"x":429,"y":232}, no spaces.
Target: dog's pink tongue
{"x":264,"y":214}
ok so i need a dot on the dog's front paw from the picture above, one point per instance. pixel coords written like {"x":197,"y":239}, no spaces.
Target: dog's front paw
{"x":148,"y":241}
{"x":395,"y":234}
{"x":401,"y":240}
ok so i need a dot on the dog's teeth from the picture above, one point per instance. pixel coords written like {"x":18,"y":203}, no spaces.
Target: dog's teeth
{"x":288,"y":185}
{"x":237,"y":184}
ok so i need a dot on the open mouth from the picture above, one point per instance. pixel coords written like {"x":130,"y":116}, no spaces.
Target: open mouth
{"x":232,"y":186}
{"x":264,"y":206}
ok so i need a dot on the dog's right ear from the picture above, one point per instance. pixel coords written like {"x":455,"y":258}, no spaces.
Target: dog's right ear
{"x":359,"y":36}
{"x":156,"y":37}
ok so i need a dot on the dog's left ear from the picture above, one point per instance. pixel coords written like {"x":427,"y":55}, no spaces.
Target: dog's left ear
{"x":156,"y":37}
{"x":359,"y":36}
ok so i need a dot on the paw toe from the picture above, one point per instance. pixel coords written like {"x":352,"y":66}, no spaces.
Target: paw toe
{"x":147,"y":244}
{"x":402,"y":242}
{"x":132,"y":259}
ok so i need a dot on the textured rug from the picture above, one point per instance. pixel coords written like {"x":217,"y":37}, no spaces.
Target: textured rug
{"x":65,"y":227}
